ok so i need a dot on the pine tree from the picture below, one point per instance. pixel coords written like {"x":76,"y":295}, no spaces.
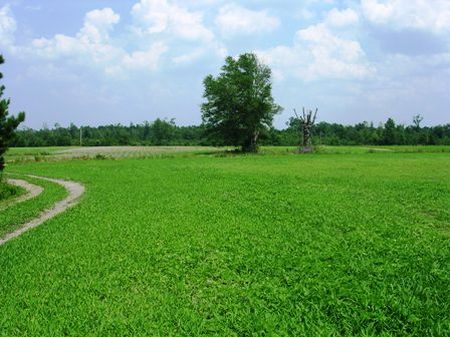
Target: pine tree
{"x":8,"y":124}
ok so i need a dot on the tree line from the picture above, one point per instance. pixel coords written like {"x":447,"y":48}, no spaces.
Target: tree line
{"x":238,"y":110}
{"x":166,"y":132}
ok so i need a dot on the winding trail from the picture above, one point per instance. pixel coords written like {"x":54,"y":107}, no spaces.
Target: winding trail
{"x":32,"y":192}
{"x":75,"y":190}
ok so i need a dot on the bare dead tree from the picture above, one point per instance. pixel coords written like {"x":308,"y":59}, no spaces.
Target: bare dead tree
{"x":306,"y":123}
{"x":417,"y":119}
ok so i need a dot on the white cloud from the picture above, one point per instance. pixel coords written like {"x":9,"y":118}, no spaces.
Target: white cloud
{"x":161,"y":16}
{"x":97,"y":25}
{"x":235,"y":20}
{"x":317,"y":54}
{"x":51,"y":72}
{"x":145,"y":59}
{"x":304,"y":14}
{"x":337,"y":18}
{"x":429,"y":15}
{"x":196,"y":54}
{"x":7,"y":27}
{"x":92,"y":46}
{"x":199,"y":3}
{"x":182,"y":28}
{"x":189,"y":57}
{"x":320,"y":52}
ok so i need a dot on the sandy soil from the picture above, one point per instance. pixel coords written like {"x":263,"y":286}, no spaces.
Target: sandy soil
{"x":32,"y":191}
{"x":128,"y":151}
{"x":75,"y":191}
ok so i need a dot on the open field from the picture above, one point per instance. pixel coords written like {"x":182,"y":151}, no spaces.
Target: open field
{"x":391,"y":148}
{"x":101,"y":152}
{"x":28,"y":154}
{"x":351,"y":243}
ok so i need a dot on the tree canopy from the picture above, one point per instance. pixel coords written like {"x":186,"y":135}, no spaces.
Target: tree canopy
{"x":166,"y":132}
{"x":239,"y":105}
{"x":8,"y":124}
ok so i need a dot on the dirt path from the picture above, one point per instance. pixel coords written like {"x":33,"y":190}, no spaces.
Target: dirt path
{"x":75,"y":191}
{"x":32,"y":192}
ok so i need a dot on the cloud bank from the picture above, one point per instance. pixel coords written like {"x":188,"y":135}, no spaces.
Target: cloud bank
{"x":348,"y":55}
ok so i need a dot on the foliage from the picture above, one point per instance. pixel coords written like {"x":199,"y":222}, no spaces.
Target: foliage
{"x":239,"y":104}
{"x":328,"y":245}
{"x":159,"y":132}
{"x":148,"y":134}
{"x":8,"y":124}
{"x":389,"y":133}
{"x":366,"y":133}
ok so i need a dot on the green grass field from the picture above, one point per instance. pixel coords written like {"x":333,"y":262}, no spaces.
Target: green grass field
{"x":355,"y":243}
{"x":8,"y":192}
{"x":12,"y":216}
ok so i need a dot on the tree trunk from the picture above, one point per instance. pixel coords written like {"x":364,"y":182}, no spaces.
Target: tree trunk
{"x":252,"y":144}
{"x":307,"y":142}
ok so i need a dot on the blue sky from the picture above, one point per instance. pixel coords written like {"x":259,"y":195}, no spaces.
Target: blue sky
{"x":120,"y":61}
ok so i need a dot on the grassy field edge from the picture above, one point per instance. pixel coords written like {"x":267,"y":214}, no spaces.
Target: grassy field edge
{"x":16,"y":215}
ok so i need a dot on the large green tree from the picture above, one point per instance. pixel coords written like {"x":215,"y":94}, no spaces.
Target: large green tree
{"x":8,"y":124}
{"x":239,"y":104}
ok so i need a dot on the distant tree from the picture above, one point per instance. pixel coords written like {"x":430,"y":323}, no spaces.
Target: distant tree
{"x":146,"y":133}
{"x":8,"y":124}
{"x":417,"y":119}
{"x":162,"y":131}
{"x":166,"y":132}
{"x":239,"y":103}
{"x":306,"y":124}
{"x":389,"y":133}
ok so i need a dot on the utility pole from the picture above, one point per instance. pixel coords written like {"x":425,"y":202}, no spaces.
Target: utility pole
{"x":81,"y":136}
